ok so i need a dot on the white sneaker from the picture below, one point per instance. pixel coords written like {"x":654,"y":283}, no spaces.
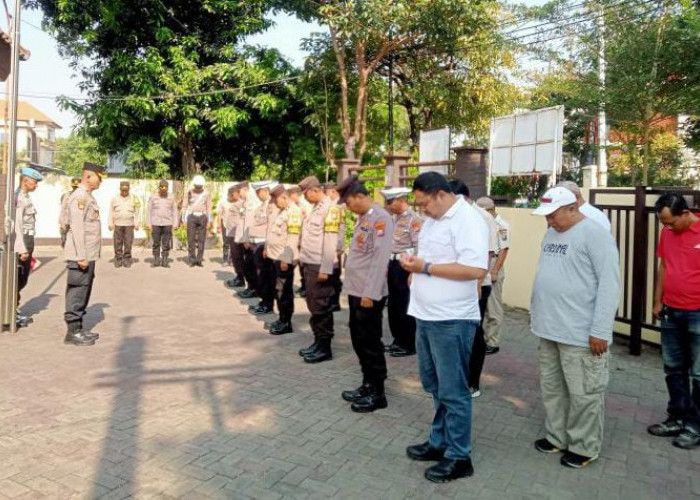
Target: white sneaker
{"x":475,"y":393}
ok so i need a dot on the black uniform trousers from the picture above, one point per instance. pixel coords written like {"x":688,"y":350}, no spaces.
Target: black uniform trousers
{"x":123,"y":241}
{"x":265,"y":272}
{"x":402,"y":326}
{"x":337,"y":285}
{"x":366,"y":335}
{"x":162,"y":239}
{"x":302,"y":278}
{"x":26,"y":266}
{"x":476,"y":361}
{"x":78,"y":291}
{"x":284,"y":291}
{"x":318,"y":300}
{"x":237,"y":257}
{"x":226,"y":244}
{"x":251,"y":277}
{"x":196,"y":236}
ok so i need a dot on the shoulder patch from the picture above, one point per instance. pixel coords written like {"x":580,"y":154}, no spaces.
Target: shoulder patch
{"x":380,"y":228}
{"x":81,"y":203}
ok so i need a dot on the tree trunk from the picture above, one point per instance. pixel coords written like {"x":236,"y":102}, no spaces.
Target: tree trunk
{"x":187,"y":155}
{"x":412,"y":124}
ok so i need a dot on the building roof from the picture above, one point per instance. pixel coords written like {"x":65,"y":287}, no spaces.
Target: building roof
{"x":26,"y":112}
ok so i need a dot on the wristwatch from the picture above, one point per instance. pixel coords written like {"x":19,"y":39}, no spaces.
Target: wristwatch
{"x":426,"y":268}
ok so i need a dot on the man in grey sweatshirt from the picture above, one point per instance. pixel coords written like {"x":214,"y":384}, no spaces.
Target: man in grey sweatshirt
{"x":574,"y":300}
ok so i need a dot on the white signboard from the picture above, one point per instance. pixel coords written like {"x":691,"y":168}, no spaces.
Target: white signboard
{"x":434,"y":146}
{"x":527,"y":143}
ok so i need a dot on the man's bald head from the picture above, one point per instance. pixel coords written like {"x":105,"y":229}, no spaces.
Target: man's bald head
{"x":573,"y":187}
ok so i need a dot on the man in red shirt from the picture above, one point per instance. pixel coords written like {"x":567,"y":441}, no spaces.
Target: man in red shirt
{"x":677,"y":304}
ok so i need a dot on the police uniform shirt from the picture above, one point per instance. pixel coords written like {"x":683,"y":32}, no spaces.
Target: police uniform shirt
{"x":197,"y":203}
{"x":162,"y":210}
{"x":493,"y":238}
{"x":406,"y":230}
{"x":239,"y":208}
{"x":25,"y":219}
{"x":283,"y":234}
{"x":370,"y":250}
{"x":84,"y":237}
{"x":124,"y":211}
{"x":257,"y":222}
{"x":63,"y":215}
{"x":503,"y":233}
{"x":319,"y":236}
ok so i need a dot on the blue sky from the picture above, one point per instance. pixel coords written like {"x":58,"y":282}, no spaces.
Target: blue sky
{"x":46,"y":73}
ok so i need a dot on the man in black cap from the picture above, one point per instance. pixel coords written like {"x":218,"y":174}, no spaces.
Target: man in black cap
{"x":366,"y":286}
{"x":123,"y":219}
{"x":162,"y":217}
{"x":62,"y":224}
{"x":319,"y":243}
{"x":83,"y":244}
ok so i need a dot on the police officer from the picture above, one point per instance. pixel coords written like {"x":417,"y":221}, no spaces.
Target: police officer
{"x":237,"y":216}
{"x":229,"y":222}
{"x":282,"y":246}
{"x":62,"y":224}
{"x":123,"y":219}
{"x":295,"y":196}
{"x":221,"y":215}
{"x":251,"y":202}
{"x":407,"y":226}
{"x":196,"y":209}
{"x":366,"y":285}
{"x":256,"y":224}
{"x":25,"y":223}
{"x":331,"y":190}
{"x":162,"y":217}
{"x":83,"y":245}
{"x":319,"y":244}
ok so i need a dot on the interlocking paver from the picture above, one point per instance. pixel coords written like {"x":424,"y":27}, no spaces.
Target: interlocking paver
{"x":185,"y":396}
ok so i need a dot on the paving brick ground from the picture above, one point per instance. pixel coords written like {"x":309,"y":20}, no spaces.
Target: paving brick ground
{"x":185,"y":397}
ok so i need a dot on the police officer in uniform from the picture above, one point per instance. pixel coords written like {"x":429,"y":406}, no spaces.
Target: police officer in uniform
{"x":123,"y":219}
{"x":83,"y":245}
{"x":319,"y":244}
{"x":25,"y":224}
{"x":62,"y":224}
{"x":236,"y":217}
{"x":256,"y":223}
{"x":251,"y":202}
{"x":366,"y":286}
{"x":296,"y":197}
{"x":331,"y":191}
{"x":196,"y":209}
{"x":162,"y":217}
{"x":229,"y":221}
{"x":282,"y":246}
{"x":407,"y":226}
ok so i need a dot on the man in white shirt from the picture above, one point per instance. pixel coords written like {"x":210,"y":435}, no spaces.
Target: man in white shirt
{"x":452,"y":258}
{"x":586,"y":208}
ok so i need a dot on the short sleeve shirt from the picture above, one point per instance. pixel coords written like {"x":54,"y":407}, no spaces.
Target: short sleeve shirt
{"x":681,"y":255}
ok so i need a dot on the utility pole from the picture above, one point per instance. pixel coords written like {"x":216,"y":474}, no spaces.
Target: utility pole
{"x":8,"y":294}
{"x":602,"y":180}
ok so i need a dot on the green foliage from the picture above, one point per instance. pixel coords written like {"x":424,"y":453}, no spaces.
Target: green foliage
{"x":76,"y":149}
{"x":147,"y":159}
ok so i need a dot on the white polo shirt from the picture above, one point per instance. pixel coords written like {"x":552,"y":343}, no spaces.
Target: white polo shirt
{"x":461,"y":236}
{"x":595,"y":214}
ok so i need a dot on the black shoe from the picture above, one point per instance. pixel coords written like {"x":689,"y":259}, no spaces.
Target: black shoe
{"x":301,"y":293}
{"x":117,"y":263}
{"x":335,"y":308}
{"x":90,"y":335}
{"x":165,"y":262}
{"x":390,"y":348}
{"x":261,"y":310}
{"x":127,"y":263}
{"x":308,"y":350}
{"x":322,"y":353}
{"x":192,"y":263}
{"x":424,"y":452}
{"x":199,"y":263}
{"x":449,"y":470}
{"x":357,"y":394}
{"x":156,"y":262}
{"x":248,"y":293}
{"x":667,"y":428}
{"x":238,"y":282}
{"x":79,"y":339}
{"x":576,"y":461}
{"x":688,"y":440}
{"x":371,"y":402}
{"x":272,"y":324}
{"x":400,"y":352}
{"x":254,"y":306}
{"x":544,"y":446}
{"x":281,"y":329}
{"x":492,"y":350}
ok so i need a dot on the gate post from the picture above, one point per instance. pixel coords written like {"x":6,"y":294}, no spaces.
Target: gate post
{"x":639,"y":269}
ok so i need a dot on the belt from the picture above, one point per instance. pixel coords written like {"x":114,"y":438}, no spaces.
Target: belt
{"x":197,"y":213}
{"x":397,"y":255}
{"x":29,"y":233}
{"x":257,"y":240}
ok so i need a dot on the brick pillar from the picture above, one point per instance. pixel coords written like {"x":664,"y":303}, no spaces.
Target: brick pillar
{"x":394,"y":169}
{"x":343,"y":166}
{"x":471,"y":168}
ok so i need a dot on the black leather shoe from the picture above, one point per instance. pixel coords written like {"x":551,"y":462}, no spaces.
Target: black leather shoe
{"x":308,"y":350}
{"x":199,"y":263}
{"x":165,"y":262}
{"x":335,"y":308}
{"x":357,"y":394}
{"x":127,"y":263}
{"x":492,"y":350}
{"x":400,"y":352}
{"x":238,"y":282}
{"x":281,"y":329}
{"x":230,"y":283}
{"x":449,"y":470}
{"x":424,"y":452}
{"x":322,"y":353}
{"x":301,"y":293}
{"x":254,"y":306}
{"x":390,"y":348}
{"x":91,"y":335}
{"x":79,"y":339}
{"x":156,"y":262}
{"x":248,"y":293}
{"x":261,"y":310}
{"x":117,"y":263}
{"x":369,"y":403}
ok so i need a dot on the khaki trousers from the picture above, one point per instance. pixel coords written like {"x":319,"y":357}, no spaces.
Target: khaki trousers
{"x":573,"y":382}
{"x":494,"y":312}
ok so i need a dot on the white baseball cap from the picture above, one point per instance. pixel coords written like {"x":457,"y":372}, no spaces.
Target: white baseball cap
{"x":554,"y":199}
{"x":198,"y":180}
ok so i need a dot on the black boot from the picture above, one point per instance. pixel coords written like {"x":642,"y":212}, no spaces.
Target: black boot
{"x":357,"y":394}
{"x":374,"y":400}
{"x":248,"y":293}
{"x":281,"y":328}
{"x":238,"y":282}
{"x":308,"y":350}
{"x":322,"y":353}
{"x":127,"y":262}
{"x":164,"y":261}
{"x":76,"y":337}
{"x":117,"y":262}
{"x":156,"y":260}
